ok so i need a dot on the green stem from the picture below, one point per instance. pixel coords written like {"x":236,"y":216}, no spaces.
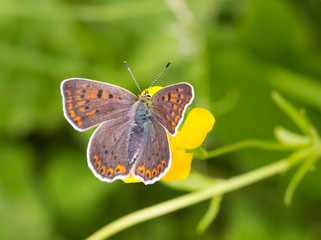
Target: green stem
{"x":250,"y":143}
{"x":201,"y":195}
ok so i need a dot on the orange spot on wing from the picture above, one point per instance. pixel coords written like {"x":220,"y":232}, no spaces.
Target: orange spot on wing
{"x":91,"y":113}
{"x":72,"y":113}
{"x":69,"y":106}
{"x":182,"y":96}
{"x":175,"y":107}
{"x":78,"y":91}
{"x":167,"y":117}
{"x":97,"y":165}
{"x":68,"y":92}
{"x":120,"y":169}
{"x":82,"y":109}
{"x":83,"y":85}
{"x":105,"y":95}
{"x":109,"y":172}
{"x":187,"y":98}
{"x":177,"y":118}
{"x":102,"y":170}
{"x":90,"y":96}
{"x":154,"y":172}
{"x":173,"y":114}
{"x":180,"y":111}
{"x":180,"y":89}
{"x":164,"y":163}
{"x":175,"y":95}
{"x":141,"y":170}
{"x":91,"y":91}
{"x":95,"y":158}
{"x":148,"y":174}
{"x":69,"y":100}
{"x":159,"y":168}
{"x":80,"y":103}
{"x":77,"y":119}
{"x":78,"y":98}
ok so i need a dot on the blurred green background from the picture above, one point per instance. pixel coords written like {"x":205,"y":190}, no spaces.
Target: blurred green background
{"x":233,"y":52}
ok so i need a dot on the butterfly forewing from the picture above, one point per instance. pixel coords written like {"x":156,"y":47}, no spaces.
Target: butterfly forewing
{"x":154,"y":160}
{"x":107,"y":150}
{"x":88,"y":103}
{"x":169,"y":105}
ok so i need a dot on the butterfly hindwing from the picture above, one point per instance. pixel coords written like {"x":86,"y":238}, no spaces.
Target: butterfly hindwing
{"x":107,"y":150}
{"x":169,"y":105}
{"x":87,"y":103}
{"x":154,"y":159}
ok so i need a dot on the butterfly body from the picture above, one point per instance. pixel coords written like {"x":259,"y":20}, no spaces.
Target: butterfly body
{"x":132,"y":136}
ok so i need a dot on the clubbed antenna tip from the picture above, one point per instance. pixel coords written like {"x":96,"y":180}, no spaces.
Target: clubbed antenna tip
{"x":167,"y":65}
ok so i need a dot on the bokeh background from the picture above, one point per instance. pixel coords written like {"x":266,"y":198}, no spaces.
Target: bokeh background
{"x":234,"y":52}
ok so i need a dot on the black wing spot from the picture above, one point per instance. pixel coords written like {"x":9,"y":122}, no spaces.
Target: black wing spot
{"x":120,"y":98}
{"x":87,"y":101}
{"x":110,"y":96}
{"x":163,"y":98}
{"x":97,"y":110}
{"x":84,"y":90}
{"x":88,"y":85}
{"x":82,"y":96}
{"x":87,"y":107}
{"x":106,"y":152}
{"x":100,"y":93}
{"x":169,"y":97}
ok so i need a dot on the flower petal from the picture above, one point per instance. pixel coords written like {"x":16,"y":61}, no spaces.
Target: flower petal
{"x":196,"y":126}
{"x":152,"y":90}
{"x":180,"y":167}
{"x":131,"y":179}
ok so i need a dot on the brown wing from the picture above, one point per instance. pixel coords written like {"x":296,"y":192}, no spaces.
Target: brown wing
{"x":107,"y":150}
{"x":169,"y":105}
{"x":87,"y":103}
{"x":154,"y":158}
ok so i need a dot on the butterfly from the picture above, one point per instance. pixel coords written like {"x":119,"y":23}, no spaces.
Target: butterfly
{"x":132,"y":136}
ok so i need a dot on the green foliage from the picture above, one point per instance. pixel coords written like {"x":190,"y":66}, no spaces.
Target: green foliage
{"x":235,"y":53}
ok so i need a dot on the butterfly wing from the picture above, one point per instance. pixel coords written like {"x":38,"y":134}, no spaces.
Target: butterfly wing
{"x":154,"y":159}
{"x":87,"y":103}
{"x":107,"y":150}
{"x":169,"y":105}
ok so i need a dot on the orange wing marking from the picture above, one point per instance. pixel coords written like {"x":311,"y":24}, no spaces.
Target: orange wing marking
{"x":110,"y":172}
{"x":154,"y":172}
{"x":102,"y":170}
{"x":120,"y":169}
{"x":148,"y":174}
{"x":77,"y":119}
{"x":141,"y":170}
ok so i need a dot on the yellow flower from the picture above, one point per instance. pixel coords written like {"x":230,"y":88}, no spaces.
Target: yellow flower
{"x":198,"y":123}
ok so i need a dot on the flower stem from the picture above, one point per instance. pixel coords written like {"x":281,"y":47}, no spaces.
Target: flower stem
{"x":250,"y":143}
{"x":201,"y":195}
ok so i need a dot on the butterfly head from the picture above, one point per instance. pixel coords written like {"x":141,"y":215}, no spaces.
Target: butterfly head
{"x":145,"y":96}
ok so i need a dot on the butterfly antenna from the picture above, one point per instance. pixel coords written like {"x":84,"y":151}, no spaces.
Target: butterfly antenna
{"x":167,"y":65}
{"x":132,"y":76}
